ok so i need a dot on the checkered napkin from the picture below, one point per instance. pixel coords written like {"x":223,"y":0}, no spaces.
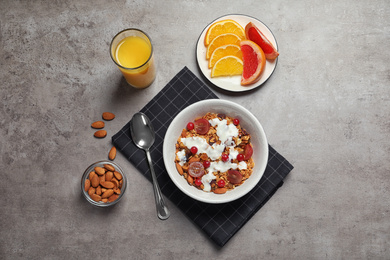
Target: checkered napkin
{"x":219,"y":221}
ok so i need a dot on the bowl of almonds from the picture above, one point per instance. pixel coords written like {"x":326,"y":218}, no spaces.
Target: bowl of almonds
{"x":103,"y":184}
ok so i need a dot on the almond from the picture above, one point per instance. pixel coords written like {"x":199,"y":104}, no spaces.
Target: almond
{"x":113,"y":197}
{"x":179,"y":168}
{"x":95,"y":181}
{"x":100,"y":170}
{"x":109,"y":167}
{"x":112,"y":153}
{"x":117,"y":175}
{"x":96,"y":197}
{"x":190,"y":179}
{"x":97,"y":125}
{"x":87,"y":184}
{"x":194,"y":159}
{"x":91,"y":174}
{"x":115,"y":181}
{"x":117,"y":191}
{"x":107,"y":184}
{"x":104,"y":200}
{"x":109,"y":176}
{"x":220,"y":190}
{"x":100,"y":133}
{"x":102,"y":179}
{"x":108,"y":116}
{"x":91,"y":191}
{"x":98,"y":190}
{"x":107,"y":193}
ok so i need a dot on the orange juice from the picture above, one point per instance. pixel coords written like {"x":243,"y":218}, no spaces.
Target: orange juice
{"x":132,"y":51}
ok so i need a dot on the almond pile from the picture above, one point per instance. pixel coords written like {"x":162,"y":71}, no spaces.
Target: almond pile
{"x":104,"y":183}
{"x":107,"y":116}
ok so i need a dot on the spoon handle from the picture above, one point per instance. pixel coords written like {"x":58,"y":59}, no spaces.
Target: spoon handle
{"x":162,"y":210}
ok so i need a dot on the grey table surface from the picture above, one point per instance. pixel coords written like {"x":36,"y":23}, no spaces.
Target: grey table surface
{"x":326,"y":109}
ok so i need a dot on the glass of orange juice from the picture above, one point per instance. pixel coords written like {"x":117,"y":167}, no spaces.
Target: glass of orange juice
{"x":132,"y":51}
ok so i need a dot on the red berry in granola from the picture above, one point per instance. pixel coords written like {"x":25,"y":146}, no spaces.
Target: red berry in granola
{"x":190,"y":126}
{"x":198,"y":182}
{"x":194,"y":150}
{"x":236,"y":121}
{"x":221,"y":183}
{"x":206,"y":164}
{"x":225,"y":157}
{"x":240,"y":157}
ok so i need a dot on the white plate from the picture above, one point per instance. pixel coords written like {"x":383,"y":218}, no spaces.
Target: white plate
{"x":234,"y":83}
{"x":248,"y":121}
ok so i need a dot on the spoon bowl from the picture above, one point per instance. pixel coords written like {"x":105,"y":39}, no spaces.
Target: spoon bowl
{"x":142,"y":131}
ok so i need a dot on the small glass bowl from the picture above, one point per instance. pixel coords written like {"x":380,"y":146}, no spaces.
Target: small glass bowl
{"x":86,"y":175}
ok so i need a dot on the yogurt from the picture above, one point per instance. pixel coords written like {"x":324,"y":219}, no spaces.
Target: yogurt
{"x":225,"y":132}
{"x":213,"y":152}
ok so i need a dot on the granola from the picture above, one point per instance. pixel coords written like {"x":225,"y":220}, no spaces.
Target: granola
{"x":214,"y":153}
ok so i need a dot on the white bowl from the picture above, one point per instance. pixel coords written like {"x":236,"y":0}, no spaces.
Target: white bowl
{"x":247,"y":120}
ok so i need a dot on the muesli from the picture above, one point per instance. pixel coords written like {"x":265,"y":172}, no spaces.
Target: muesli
{"x":214,"y":153}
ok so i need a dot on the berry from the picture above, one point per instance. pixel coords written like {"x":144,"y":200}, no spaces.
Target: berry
{"x":198,"y":182}
{"x":190,"y":126}
{"x":221,"y":183}
{"x":240,"y":157}
{"x":236,"y":121}
{"x":225,"y":157}
{"x":206,"y":164}
{"x":194,"y":150}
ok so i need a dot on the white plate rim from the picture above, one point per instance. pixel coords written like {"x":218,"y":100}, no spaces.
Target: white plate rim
{"x":233,"y":83}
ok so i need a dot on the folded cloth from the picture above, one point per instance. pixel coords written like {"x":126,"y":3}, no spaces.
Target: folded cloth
{"x":219,"y":221}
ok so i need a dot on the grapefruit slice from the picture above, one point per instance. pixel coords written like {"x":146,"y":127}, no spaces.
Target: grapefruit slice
{"x":254,"y":34}
{"x":253,"y":62}
{"x":222,"y":27}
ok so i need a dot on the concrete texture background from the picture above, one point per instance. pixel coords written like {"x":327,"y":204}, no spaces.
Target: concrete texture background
{"x":326,"y":109}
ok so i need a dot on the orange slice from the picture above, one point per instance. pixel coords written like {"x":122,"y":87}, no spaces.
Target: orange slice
{"x":224,"y":50}
{"x":254,"y":34}
{"x":227,"y":66}
{"x":223,"y":39}
{"x":222,"y":27}
{"x":254,"y":62}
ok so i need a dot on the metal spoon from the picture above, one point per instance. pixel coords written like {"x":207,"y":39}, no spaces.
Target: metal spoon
{"x":143,"y":136}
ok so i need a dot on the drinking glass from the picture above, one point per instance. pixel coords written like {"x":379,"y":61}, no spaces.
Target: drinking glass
{"x":132,"y":51}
